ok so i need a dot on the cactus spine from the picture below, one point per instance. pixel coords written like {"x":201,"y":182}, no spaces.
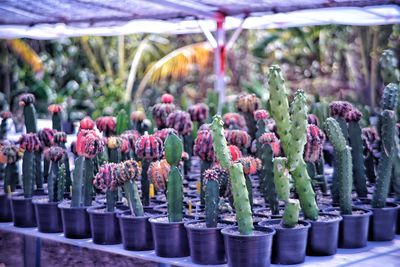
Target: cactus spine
{"x":292,"y":131}
{"x":388,"y":123}
{"x":343,"y":164}
{"x":240,"y":195}
{"x":173,"y":152}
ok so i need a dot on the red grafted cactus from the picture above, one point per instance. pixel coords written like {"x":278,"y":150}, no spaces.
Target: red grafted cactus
{"x":5,"y":115}
{"x":238,"y":138}
{"x":29,"y":142}
{"x":315,"y":141}
{"x":312,"y":119}
{"x":132,"y":136}
{"x":234,"y":121}
{"x":125,"y":144}
{"x":26,"y":99}
{"x":353,"y":115}
{"x":105,"y":178}
{"x":138,"y":116}
{"x":9,"y":153}
{"x":54,"y":153}
{"x":198,"y":112}
{"x":106,"y":125}
{"x":203,"y":145}
{"x":260,"y":114}
{"x":54,"y":108}
{"x":271,"y":140}
{"x":247,"y":103}
{"x":235,"y":152}
{"x":167,"y":98}
{"x":86,"y":124}
{"x":180,"y":121}
{"x":370,"y":139}
{"x":60,"y":138}
{"x":163,"y":133}
{"x":126,"y":171}
{"x":158,"y":174}
{"x":89,"y":144}
{"x":161,"y":111}
{"x":149,"y":147}
{"x":339,"y":108}
{"x":46,"y":137}
{"x":250,"y":164}
{"x":114,"y":142}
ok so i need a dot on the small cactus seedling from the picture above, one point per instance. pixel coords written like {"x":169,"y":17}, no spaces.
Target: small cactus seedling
{"x":161,"y":110}
{"x":238,"y":181}
{"x":30,"y":144}
{"x":56,"y":178}
{"x":247,"y":104}
{"x":343,"y":164}
{"x":56,"y":116}
{"x":148,"y":148}
{"x":106,"y":125}
{"x":9,"y":155}
{"x":173,"y":154}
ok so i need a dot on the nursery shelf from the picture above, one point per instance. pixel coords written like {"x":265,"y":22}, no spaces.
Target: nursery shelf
{"x":375,"y":254}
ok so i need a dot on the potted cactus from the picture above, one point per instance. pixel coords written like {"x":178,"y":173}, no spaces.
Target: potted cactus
{"x":244,"y":246}
{"x":48,"y":215}
{"x":9,"y":155}
{"x":46,"y":137}
{"x":22,"y":207}
{"x":138,"y":118}
{"x":147,"y":148}
{"x":60,"y":139}
{"x":354,"y":227}
{"x":247,"y":104}
{"x":161,"y":110}
{"x":170,"y":238}
{"x":75,"y":218}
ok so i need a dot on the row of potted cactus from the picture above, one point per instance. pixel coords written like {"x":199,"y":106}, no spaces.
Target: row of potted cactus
{"x":247,"y":158}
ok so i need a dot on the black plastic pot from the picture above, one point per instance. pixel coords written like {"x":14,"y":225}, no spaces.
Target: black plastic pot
{"x":353,"y":230}
{"x":289,"y":244}
{"x":248,"y":250}
{"x":382,"y":226}
{"x":5,"y":208}
{"x":206,"y":244}
{"x":104,"y":226}
{"x":23,"y":212}
{"x":323,"y":236}
{"x":75,"y":221}
{"x":48,"y":216}
{"x":135,"y":231}
{"x":170,"y":238}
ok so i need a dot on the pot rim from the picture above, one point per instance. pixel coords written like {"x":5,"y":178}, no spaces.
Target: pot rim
{"x":91,"y":209}
{"x":189,"y":226}
{"x":366,"y":213}
{"x":151,"y":220}
{"x":64,"y":205}
{"x":305,"y":224}
{"x":338,"y":218}
{"x":21,"y":197}
{"x":267,"y":231}
{"x":120,"y":216}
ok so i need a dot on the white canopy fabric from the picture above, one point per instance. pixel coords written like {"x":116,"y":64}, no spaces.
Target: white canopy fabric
{"x":64,"y":18}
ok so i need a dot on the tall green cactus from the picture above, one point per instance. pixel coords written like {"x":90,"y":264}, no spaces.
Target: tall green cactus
{"x":292,"y":131}
{"x":291,"y":214}
{"x":173,"y":152}
{"x":390,"y":97}
{"x":388,"y":123}
{"x":389,"y":71}
{"x":82,"y":186}
{"x":267,"y":183}
{"x":343,"y":164}
{"x":30,"y":118}
{"x":28,"y":173}
{"x":61,"y":181}
{"x":134,"y":198}
{"x":10,"y":177}
{"x":240,"y":193}
{"x":56,"y":181}
{"x":211,"y":202}
{"x":56,"y":121}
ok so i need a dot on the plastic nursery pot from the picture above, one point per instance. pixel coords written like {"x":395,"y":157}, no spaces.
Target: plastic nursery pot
{"x":136,"y":231}
{"x":323,"y":235}
{"x":23,"y":212}
{"x":75,"y":221}
{"x":248,"y":250}
{"x":5,"y":208}
{"x":382,"y":226}
{"x":170,"y":238}
{"x":206,"y":244}
{"x":289,"y":244}
{"x":48,"y":216}
{"x":353,"y":229}
{"x":104,"y":226}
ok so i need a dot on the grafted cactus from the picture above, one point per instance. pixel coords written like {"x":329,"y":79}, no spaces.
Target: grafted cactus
{"x":371,"y":140}
{"x":148,"y":148}
{"x":247,"y":104}
{"x":30,"y":144}
{"x":198,"y":113}
{"x":56,"y":178}
{"x":292,"y":133}
{"x":161,"y":110}
{"x":138,"y":119}
{"x":388,"y":124}
{"x":60,"y":139}
{"x":313,"y":119}
{"x":46,"y":137}
{"x":132,"y":136}
{"x":163,"y":133}
{"x":86,"y":124}
{"x":238,"y":138}
{"x":234,"y":121}
{"x":9,"y":155}
{"x":27,"y":101}
{"x":105,"y":181}
{"x":88,"y":146}
{"x":114,"y":144}
{"x":250,"y":166}
{"x":238,"y":181}
{"x":389,"y":71}
{"x":56,"y":116}
{"x":158,"y":174}
{"x":173,"y":154}
{"x":106,"y":125}
{"x":343,"y":164}
{"x":338,"y":110}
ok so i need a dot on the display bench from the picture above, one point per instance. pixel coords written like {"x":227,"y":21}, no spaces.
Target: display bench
{"x":28,"y":247}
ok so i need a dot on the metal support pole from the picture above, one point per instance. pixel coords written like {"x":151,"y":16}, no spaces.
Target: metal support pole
{"x":219,"y":62}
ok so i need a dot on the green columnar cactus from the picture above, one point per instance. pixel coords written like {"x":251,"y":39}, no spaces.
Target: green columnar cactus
{"x":56,"y":112}
{"x":5,"y":116}
{"x":390,"y":97}
{"x":27,"y":102}
{"x":240,"y":194}
{"x":389,"y":71}
{"x":357,"y":151}
{"x":343,"y":164}
{"x":9,"y":155}
{"x":127,"y":172}
{"x":61,"y":181}
{"x":267,"y":179}
{"x":291,"y":214}
{"x":388,"y":124}
{"x":173,"y":152}
{"x":39,"y":171}
{"x":77,"y":188}
{"x":28,"y":172}
{"x":122,"y":122}
{"x":11,"y":176}
{"x":396,"y":165}
{"x":211,"y":202}
{"x":55,"y":155}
